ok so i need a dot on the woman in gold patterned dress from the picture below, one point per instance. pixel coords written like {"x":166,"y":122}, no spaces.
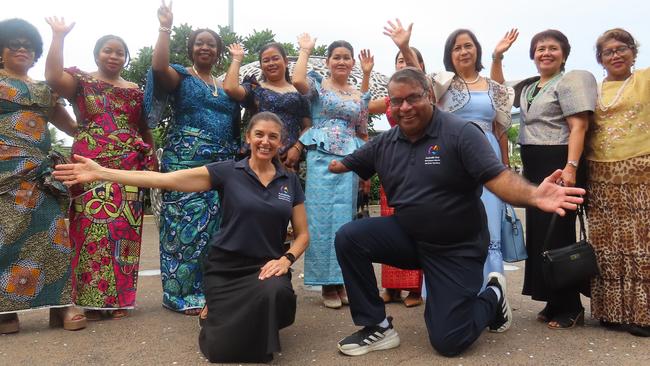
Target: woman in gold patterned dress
{"x":35,"y":251}
{"x":618,"y":154}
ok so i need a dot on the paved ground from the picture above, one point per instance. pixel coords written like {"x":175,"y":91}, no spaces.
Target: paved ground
{"x":155,"y":336}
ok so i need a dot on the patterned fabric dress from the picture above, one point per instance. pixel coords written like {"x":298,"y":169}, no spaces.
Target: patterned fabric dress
{"x":35,"y":251}
{"x":204,"y":129}
{"x":291,"y":107}
{"x":618,"y":153}
{"x":393,"y":277}
{"x":330,"y":198}
{"x":482,"y":108}
{"x":106,"y":218}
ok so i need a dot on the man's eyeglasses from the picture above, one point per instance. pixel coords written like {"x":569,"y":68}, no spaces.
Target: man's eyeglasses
{"x":16,"y":45}
{"x":411,"y":99}
{"x":618,"y":50}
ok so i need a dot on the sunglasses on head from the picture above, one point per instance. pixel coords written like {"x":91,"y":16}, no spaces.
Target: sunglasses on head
{"x":15,"y":45}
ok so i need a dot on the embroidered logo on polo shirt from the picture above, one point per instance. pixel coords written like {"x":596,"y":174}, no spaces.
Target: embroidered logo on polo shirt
{"x":432,"y":156}
{"x":284,"y":194}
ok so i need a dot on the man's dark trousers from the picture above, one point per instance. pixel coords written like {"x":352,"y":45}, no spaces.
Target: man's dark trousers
{"x":454,"y":314}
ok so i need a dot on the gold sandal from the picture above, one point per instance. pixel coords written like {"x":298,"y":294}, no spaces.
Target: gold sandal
{"x":118,"y":314}
{"x":69,"y":318}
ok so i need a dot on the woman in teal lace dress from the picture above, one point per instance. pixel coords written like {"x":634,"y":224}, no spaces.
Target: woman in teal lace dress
{"x":203,"y":129}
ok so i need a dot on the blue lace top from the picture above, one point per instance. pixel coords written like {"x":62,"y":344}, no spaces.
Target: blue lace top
{"x":291,"y":107}
{"x":335,"y":120}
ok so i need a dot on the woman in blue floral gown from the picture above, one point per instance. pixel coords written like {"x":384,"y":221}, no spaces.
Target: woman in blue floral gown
{"x":203,"y":129}
{"x":340,"y":117}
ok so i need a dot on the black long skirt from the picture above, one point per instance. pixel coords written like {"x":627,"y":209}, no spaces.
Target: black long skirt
{"x":539,"y":161}
{"x":245,"y":313}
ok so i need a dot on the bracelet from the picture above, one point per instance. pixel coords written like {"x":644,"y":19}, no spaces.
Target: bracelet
{"x":573,"y":163}
{"x":297,"y":148}
{"x":236,"y":60}
{"x":290,"y":257}
{"x":165,"y":29}
{"x":494,"y":57}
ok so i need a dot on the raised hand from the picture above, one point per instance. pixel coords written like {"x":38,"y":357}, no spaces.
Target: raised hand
{"x":236,"y":51}
{"x":504,"y":44}
{"x":165,"y":15}
{"x":58,"y":26}
{"x":305,"y":42}
{"x":367,"y":61}
{"x":84,"y":170}
{"x":400,"y":35}
{"x":551,"y":197}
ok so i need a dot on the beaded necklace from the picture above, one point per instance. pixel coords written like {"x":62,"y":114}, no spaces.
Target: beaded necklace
{"x":215,"y":93}
{"x":618,"y":95}
{"x":530,"y":94}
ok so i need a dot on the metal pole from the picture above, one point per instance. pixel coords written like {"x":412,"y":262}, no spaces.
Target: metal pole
{"x":231,"y":15}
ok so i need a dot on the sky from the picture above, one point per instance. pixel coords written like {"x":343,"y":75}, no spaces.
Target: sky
{"x":360,"y":22}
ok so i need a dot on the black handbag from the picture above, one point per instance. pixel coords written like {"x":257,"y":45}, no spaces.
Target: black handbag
{"x":571,"y":265}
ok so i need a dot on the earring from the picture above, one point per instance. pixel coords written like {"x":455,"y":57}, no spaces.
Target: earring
{"x":604,"y":72}
{"x":633,"y":68}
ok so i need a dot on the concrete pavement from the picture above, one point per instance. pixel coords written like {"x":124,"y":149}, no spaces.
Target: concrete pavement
{"x":155,"y":336}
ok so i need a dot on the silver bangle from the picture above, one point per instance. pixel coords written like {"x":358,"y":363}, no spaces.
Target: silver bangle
{"x":165,"y":29}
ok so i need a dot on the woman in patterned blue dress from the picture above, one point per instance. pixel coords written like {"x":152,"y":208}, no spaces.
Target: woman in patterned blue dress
{"x":340,"y":116}
{"x":274,"y":93}
{"x":204,"y":129}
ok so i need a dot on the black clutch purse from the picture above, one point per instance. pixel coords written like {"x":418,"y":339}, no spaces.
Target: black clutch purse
{"x":571,"y":265}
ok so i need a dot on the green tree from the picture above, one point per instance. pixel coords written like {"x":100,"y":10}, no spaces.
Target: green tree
{"x":515,"y":154}
{"x":57,"y":143}
{"x":137,"y":69}
{"x":254,"y":42}
{"x":320,"y":51}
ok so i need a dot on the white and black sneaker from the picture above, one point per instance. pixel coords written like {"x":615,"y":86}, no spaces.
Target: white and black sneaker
{"x":370,"y":338}
{"x":503,"y":318}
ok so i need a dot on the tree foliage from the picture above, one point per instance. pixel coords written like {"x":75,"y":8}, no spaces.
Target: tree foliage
{"x":136,"y":70}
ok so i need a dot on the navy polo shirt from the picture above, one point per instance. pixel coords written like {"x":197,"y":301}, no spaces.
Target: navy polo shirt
{"x":254,"y":218}
{"x":435,"y":183}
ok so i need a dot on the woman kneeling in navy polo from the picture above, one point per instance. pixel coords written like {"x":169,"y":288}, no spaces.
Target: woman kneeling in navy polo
{"x":247,"y":282}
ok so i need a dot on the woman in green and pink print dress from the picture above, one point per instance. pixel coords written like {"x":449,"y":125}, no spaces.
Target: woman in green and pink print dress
{"x":105,"y":218}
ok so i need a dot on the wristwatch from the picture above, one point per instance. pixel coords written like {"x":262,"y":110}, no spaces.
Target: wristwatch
{"x":573,"y":163}
{"x":290,"y":257}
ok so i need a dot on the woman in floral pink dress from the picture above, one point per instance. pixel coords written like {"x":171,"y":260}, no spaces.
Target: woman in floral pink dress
{"x":105,"y":218}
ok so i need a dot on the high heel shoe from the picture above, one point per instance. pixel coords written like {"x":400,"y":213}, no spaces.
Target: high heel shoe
{"x":567,"y":320}
{"x":68,"y":318}
{"x":9,"y":323}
